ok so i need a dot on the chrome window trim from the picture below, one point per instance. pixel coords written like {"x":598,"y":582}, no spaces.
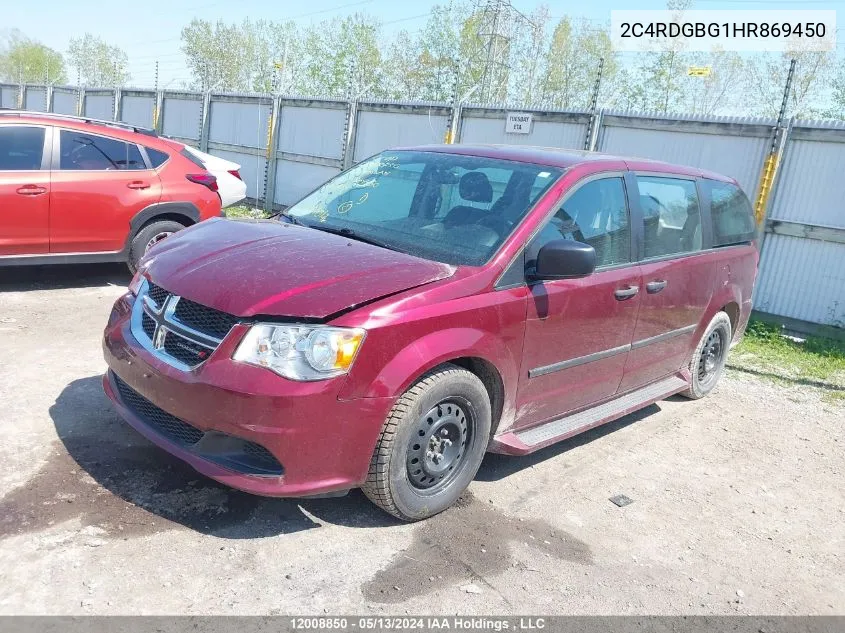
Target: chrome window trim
{"x":166,"y":323}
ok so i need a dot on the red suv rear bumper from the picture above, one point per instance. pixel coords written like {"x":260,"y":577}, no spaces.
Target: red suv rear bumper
{"x":322,"y":443}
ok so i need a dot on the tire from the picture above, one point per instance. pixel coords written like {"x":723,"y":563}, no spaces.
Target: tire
{"x":430,"y":411}
{"x":706,"y":367}
{"x":147,"y":233}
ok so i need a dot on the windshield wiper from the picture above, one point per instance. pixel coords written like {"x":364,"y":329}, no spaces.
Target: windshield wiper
{"x":347,"y":232}
{"x":287,"y":217}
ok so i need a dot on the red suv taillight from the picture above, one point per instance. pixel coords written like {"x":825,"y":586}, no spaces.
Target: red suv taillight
{"x":236,"y":173}
{"x":206,"y":180}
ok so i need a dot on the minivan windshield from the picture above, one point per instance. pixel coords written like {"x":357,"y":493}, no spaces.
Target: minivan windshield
{"x":450,"y":208}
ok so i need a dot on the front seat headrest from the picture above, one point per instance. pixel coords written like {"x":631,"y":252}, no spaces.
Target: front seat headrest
{"x":475,"y":187}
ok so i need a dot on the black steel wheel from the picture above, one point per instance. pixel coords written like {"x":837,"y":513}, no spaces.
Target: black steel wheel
{"x":708,"y":361}
{"x":431,"y":444}
{"x":438,"y":447}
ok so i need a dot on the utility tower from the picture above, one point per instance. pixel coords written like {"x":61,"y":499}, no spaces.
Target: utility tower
{"x":498,"y":23}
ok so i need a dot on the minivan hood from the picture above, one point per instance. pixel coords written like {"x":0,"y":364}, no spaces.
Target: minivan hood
{"x":265,"y":267}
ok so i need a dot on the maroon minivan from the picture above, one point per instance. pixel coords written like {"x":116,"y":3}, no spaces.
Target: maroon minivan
{"x":426,"y":306}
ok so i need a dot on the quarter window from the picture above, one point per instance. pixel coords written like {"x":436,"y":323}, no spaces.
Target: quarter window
{"x":671,"y":216}
{"x":731,"y":214}
{"x":80,"y":151}
{"x":595,"y":214}
{"x":21,"y":147}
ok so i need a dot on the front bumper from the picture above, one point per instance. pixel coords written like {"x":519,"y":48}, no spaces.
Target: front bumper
{"x":322,"y":443}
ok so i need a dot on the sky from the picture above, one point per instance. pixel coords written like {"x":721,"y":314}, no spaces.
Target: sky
{"x":150,"y":30}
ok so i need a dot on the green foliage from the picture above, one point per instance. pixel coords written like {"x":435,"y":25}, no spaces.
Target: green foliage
{"x":97,"y":63}
{"x":27,"y":61}
{"x":765,"y":350}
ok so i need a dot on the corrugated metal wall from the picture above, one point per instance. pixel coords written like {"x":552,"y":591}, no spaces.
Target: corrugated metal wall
{"x":182,"y":115}
{"x":65,"y":101}
{"x":35,"y":99}
{"x":803,"y":278}
{"x":99,"y":105}
{"x":137,"y":108}
{"x":8,"y":96}
{"x":381,"y":126}
{"x":309,"y":147}
{"x":734,"y":147}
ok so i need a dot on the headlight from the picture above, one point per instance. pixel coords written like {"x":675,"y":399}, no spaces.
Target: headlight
{"x":301,"y":352}
{"x":136,"y":283}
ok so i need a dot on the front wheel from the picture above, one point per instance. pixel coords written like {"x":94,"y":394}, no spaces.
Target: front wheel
{"x":708,"y":361}
{"x":431,"y":444}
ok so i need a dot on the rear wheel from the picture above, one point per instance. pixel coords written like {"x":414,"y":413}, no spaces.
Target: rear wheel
{"x":149,"y":236}
{"x":431,"y":445}
{"x":708,"y":361}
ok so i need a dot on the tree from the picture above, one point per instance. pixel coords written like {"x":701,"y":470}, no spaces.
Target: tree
{"x":218,"y":54}
{"x":342,"y":54}
{"x":97,"y":63}
{"x":23,"y":60}
{"x":766,"y":78}
{"x":572,"y":62}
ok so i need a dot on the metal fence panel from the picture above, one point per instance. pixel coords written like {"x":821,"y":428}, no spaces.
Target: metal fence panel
{"x":802,"y":279}
{"x":543,"y":133}
{"x":138,"y":109}
{"x":252,"y":170}
{"x":99,"y":106}
{"x":239,"y":122}
{"x":35,"y":99}
{"x":182,"y":117}
{"x":378,"y":131}
{"x":812,"y":184}
{"x":312,"y":131}
{"x":740,"y":157}
{"x":65,"y":101}
{"x":8,"y":96}
{"x":294,"y":180}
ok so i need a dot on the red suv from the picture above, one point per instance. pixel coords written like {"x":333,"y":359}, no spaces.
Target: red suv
{"x":78,"y":190}
{"x":426,"y":306}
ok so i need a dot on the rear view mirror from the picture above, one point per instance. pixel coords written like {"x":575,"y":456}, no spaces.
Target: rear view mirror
{"x":564,"y":259}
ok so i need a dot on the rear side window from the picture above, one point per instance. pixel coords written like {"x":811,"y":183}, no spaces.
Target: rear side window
{"x":196,"y":161}
{"x":595,"y":214}
{"x":671,"y":216}
{"x":731,"y":214}
{"x":21,"y":147}
{"x":88,"y":152}
{"x":157,"y":157}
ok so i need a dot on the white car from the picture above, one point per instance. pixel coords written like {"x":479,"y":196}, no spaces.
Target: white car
{"x":230,"y":186}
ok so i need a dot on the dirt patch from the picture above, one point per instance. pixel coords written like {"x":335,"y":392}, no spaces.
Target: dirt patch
{"x":472,"y":541}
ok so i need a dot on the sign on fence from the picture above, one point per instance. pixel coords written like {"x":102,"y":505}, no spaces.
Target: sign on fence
{"x":518,"y":123}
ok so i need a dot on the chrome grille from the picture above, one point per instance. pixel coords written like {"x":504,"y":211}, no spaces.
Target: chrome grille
{"x":181,"y":332}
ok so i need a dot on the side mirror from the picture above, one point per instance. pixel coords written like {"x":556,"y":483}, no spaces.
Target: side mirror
{"x":564,"y":259}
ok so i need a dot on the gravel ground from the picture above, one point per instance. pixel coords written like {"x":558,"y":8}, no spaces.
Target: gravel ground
{"x":737,"y":505}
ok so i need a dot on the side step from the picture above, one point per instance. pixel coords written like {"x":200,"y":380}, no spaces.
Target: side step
{"x":547,"y":433}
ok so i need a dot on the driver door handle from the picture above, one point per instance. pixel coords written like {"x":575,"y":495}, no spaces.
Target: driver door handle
{"x":31,"y":190}
{"x":653,"y":287}
{"x":626,"y":293}
{"x":138,"y":184}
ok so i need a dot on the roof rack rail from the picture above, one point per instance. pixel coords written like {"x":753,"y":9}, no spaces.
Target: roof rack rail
{"x":84,"y":119}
